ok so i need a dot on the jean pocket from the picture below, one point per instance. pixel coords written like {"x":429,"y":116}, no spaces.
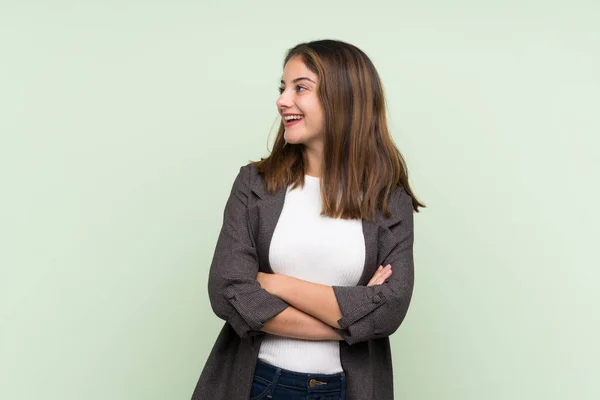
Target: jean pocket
{"x":260,"y":388}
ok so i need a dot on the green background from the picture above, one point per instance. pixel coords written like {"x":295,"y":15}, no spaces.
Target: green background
{"x":124,"y":123}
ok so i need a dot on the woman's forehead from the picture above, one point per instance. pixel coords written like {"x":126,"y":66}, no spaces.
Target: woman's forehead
{"x":294,"y":69}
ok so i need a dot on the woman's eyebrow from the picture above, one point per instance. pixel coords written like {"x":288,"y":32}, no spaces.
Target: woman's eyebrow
{"x":300,"y":79}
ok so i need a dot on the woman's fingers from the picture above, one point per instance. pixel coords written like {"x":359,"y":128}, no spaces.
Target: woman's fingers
{"x":380,"y":279}
{"x":380,"y":275}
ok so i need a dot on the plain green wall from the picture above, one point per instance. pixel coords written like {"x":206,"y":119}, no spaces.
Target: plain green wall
{"x":124,"y":123}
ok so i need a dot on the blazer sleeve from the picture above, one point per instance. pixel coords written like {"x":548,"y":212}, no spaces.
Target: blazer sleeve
{"x":370,"y":312}
{"x":235,"y":294}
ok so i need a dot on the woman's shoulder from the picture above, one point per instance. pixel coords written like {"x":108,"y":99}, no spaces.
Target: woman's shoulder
{"x":250,"y":173}
{"x":248,"y":178}
{"x":399,"y":204}
{"x":251,"y":169}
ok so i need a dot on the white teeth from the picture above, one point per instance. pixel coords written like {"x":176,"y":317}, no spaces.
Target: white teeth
{"x":291,"y":117}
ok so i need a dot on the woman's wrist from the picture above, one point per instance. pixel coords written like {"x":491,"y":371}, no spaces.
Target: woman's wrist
{"x":269,"y":282}
{"x":293,"y":323}
{"x":276,"y":282}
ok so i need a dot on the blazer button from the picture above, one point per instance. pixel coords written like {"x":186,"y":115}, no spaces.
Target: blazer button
{"x":376,"y":299}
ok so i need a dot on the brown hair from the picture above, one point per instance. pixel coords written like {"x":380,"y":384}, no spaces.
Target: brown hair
{"x":359,"y":153}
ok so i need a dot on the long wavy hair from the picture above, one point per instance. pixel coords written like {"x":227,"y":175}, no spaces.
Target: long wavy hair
{"x":359,"y":155}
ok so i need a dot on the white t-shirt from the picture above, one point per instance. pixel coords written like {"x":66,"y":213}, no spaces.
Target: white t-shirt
{"x":315,"y":248}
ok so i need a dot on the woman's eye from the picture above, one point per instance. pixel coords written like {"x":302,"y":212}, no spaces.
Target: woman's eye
{"x":298,"y":89}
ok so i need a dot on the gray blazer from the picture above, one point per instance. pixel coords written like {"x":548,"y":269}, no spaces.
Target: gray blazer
{"x":370,"y":314}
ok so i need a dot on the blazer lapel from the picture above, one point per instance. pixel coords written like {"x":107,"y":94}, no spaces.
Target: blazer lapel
{"x":370,"y":232}
{"x":264,"y":209}
{"x":377,"y":237}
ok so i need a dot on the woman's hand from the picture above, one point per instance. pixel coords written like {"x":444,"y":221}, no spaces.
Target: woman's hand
{"x":265,"y":281}
{"x":381,"y":275}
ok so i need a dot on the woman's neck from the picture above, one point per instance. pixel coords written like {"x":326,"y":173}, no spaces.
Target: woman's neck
{"x":313,"y":162}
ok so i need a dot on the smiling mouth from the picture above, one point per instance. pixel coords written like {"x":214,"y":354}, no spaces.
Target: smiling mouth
{"x":289,"y":120}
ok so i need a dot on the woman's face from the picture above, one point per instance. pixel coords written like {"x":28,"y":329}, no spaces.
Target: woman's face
{"x":299,"y":105}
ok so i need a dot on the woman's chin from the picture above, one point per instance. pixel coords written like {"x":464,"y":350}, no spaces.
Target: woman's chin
{"x":292,"y":139}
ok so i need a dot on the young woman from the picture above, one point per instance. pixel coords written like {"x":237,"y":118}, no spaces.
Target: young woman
{"x":298,"y":271}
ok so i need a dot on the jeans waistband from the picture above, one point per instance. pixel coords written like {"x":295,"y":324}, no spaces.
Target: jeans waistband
{"x":300,"y":380}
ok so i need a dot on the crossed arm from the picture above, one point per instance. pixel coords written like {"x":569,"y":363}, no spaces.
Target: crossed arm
{"x":313,"y":310}
{"x":251,"y":302}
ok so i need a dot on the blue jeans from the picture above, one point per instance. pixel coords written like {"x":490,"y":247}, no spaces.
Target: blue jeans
{"x":273,"y":383}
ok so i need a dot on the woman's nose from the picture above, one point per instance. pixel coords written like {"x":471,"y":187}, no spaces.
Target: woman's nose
{"x":283,"y":101}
